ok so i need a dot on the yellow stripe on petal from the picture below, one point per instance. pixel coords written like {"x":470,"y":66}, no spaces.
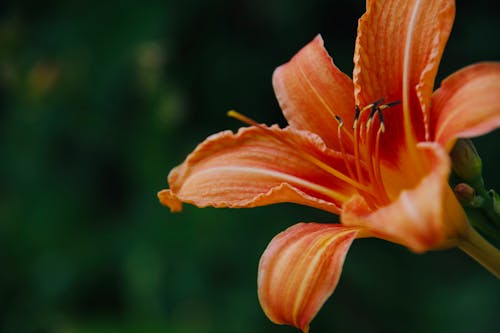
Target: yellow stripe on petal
{"x":286,"y":178}
{"x":300,"y":269}
{"x":250,"y":168}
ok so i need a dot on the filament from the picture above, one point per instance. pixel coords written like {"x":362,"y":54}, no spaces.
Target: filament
{"x":322,"y":165}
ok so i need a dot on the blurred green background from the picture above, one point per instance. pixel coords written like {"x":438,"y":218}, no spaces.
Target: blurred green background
{"x":99,"y":100}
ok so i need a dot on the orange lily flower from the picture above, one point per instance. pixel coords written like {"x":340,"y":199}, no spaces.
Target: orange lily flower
{"x":373,"y":149}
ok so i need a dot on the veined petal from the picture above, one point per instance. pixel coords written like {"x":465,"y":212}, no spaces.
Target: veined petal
{"x":398,"y":49}
{"x":421,"y":218}
{"x":300,"y":269}
{"x":311,"y":91}
{"x":256,"y":167}
{"x":467,"y":104}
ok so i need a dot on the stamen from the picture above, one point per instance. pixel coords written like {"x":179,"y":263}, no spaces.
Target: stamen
{"x":358,"y":127}
{"x":374,"y":108}
{"x":378,"y":101}
{"x":339,"y":119}
{"x":364,"y":134}
{"x":389,"y":105}
{"x":376,"y":161}
{"x":369,"y":150}
{"x":382,"y":107}
{"x":342,"y":127}
{"x":381,"y":120}
{"x":356,"y":116}
{"x":356,"y":145}
{"x":366,"y":152}
{"x":341,"y":144}
{"x":306,"y":155}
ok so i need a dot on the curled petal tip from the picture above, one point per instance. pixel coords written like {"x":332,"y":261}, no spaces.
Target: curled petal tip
{"x":167,"y":198}
{"x":300,"y":269}
{"x":467,"y":104}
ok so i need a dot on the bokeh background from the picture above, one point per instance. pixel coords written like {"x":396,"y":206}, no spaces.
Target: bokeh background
{"x":100,"y":99}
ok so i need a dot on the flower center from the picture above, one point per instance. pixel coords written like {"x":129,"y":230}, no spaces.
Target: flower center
{"x":365,"y":142}
{"x":362,"y":161}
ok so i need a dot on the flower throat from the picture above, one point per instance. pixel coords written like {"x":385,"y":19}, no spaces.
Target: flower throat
{"x":362,"y":160}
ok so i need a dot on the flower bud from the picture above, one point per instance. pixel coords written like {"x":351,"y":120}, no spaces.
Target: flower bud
{"x":466,"y":162}
{"x":467,"y":195}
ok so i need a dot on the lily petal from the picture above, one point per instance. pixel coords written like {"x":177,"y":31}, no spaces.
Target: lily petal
{"x":311,"y":91}
{"x":467,"y":104}
{"x":421,"y":218}
{"x":300,"y":269}
{"x":398,"y":49}
{"x":256,"y":167}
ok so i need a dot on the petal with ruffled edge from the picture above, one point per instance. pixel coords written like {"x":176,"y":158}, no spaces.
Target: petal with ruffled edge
{"x":311,"y":90}
{"x":422,"y":218}
{"x":398,"y":49}
{"x":300,"y":269}
{"x":467,"y":104}
{"x":260,"y":166}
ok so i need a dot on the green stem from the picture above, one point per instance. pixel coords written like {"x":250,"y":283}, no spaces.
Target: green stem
{"x":480,"y":221}
{"x":488,"y":207}
{"x":482,"y":251}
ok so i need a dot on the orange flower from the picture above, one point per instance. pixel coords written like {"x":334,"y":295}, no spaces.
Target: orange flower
{"x":373,"y":149}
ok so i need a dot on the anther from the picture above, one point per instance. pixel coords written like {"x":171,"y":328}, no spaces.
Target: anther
{"x":356,"y":116}
{"x":380,"y":114}
{"x":379,"y":101}
{"x":391,"y":104}
{"x":340,"y":121}
{"x":373,"y":110}
{"x":375,"y":107}
{"x":381,"y":120}
{"x":380,"y":117}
